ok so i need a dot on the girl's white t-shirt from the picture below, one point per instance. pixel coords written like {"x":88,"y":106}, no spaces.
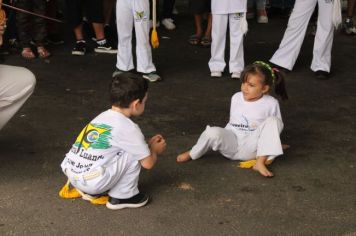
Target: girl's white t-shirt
{"x":107,"y":137}
{"x":228,"y":6}
{"x":246,"y":116}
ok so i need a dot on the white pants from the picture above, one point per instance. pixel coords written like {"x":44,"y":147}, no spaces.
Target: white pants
{"x":129,"y":12}
{"x":120,"y":179}
{"x":219,"y":27}
{"x":16,"y":86}
{"x":288,"y":50}
{"x":264,"y":141}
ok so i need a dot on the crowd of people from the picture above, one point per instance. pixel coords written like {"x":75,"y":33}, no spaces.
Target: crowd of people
{"x":104,"y":163}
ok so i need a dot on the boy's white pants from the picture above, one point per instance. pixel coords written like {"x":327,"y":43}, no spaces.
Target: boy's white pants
{"x":119,"y":178}
{"x":129,"y":12}
{"x":219,"y":28}
{"x":264,"y":141}
{"x":288,"y":50}
{"x":16,"y":86}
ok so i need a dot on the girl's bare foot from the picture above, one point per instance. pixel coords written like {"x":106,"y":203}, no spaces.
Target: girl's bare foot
{"x":184,"y":157}
{"x":262,"y":169}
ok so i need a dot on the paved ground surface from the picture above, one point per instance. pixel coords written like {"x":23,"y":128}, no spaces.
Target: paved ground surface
{"x":313,"y":192}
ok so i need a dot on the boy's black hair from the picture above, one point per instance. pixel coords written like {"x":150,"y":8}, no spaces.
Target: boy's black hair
{"x":126,"y":88}
{"x":271,"y":77}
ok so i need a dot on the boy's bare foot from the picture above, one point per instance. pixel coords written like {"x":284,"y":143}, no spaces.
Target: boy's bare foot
{"x":184,"y":157}
{"x":262,"y":169}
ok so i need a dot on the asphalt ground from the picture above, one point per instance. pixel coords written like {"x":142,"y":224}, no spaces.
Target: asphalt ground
{"x":314,"y":188}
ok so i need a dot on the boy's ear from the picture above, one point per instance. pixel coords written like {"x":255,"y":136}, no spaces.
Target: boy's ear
{"x":135,"y":103}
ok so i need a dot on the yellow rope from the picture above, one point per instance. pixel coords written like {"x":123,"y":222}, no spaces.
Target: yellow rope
{"x":68,"y":193}
{"x":249,"y":164}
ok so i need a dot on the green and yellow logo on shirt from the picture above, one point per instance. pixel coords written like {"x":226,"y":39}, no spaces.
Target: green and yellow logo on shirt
{"x":96,"y":136}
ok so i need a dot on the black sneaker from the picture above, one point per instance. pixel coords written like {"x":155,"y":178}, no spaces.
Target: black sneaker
{"x":117,"y":72}
{"x":321,"y":75}
{"x":349,"y":27}
{"x":136,"y":201}
{"x":80,"y":48}
{"x":103,"y":46}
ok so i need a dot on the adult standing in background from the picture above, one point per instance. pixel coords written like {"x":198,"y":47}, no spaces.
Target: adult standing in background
{"x":288,"y":50}
{"x":16,"y":86}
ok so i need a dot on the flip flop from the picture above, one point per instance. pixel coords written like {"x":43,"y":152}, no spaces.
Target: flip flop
{"x":205,"y":41}
{"x":27,"y":54}
{"x":43,"y":52}
{"x":194,"y":40}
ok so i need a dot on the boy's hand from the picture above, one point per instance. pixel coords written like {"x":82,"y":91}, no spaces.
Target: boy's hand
{"x":157,"y":144}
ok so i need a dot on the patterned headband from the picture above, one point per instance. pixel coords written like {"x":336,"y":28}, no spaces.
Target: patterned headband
{"x":268,"y":67}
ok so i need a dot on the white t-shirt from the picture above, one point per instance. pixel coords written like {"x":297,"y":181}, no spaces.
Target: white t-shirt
{"x":228,"y":6}
{"x":246,"y":116}
{"x":108,"y":136}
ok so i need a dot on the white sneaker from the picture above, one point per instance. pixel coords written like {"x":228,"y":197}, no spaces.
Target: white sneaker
{"x":216,"y":74}
{"x":235,"y":75}
{"x":168,"y":24}
{"x":262,"y":19}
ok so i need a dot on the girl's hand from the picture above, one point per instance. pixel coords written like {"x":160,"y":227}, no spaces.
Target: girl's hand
{"x":157,"y":144}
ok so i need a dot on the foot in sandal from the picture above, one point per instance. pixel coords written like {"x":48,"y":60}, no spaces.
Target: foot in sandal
{"x":43,"y":52}
{"x":27,"y":53}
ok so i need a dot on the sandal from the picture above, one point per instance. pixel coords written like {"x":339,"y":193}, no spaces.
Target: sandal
{"x":194,"y":39}
{"x":205,"y":41}
{"x":27,"y":53}
{"x":42,"y":52}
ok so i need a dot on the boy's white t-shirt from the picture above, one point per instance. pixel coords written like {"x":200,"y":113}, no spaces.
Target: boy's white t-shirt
{"x":228,"y":6}
{"x":108,"y":136}
{"x":246,"y":116}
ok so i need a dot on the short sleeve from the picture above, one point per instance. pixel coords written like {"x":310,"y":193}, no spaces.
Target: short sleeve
{"x":133,"y":142}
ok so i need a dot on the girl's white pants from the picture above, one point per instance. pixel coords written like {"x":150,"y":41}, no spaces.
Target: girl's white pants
{"x":129,"y":13}
{"x":219,"y":28}
{"x":288,"y":50}
{"x":16,"y":86}
{"x":119,"y":178}
{"x":264,"y":141}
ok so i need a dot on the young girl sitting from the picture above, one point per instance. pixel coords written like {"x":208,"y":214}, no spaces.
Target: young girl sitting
{"x":255,"y":122}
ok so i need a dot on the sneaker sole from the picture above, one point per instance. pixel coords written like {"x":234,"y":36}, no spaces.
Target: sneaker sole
{"x":105,"y":51}
{"x":78,"y":53}
{"x":126,"y":205}
{"x":151,"y":80}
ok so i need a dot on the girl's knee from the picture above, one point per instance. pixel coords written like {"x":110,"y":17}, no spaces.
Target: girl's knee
{"x":212,"y":133}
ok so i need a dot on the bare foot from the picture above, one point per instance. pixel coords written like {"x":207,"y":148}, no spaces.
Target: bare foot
{"x":184,"y":157}
{"x":262,"y":169}
{"x":285,"y":146}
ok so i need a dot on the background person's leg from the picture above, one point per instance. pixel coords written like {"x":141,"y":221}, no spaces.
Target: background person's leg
{"x":16,"y":85}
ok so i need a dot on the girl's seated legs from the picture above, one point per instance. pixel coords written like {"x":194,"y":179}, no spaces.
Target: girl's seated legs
{"x":213,"y":138}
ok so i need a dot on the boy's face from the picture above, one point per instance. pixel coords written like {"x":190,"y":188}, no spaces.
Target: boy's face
{"x":139,"y":106}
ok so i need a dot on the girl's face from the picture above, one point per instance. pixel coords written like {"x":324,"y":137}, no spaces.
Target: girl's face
{"x":253,"y":88}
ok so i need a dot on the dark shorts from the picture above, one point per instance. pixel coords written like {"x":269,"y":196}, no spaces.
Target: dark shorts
{"x":199,"y":6}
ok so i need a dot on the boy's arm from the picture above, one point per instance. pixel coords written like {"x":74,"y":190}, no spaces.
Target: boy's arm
{"x":157,"y":145}
{"x":149,"y":162}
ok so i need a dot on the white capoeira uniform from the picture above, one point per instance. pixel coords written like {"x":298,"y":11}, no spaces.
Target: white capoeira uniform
{"x":288,"y":50}
{"x":16,"y":86}
{"x":106,"y":156}
{"x":253,"y":131}
{"x":129,"y":12}
{"x":224,"y":12}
